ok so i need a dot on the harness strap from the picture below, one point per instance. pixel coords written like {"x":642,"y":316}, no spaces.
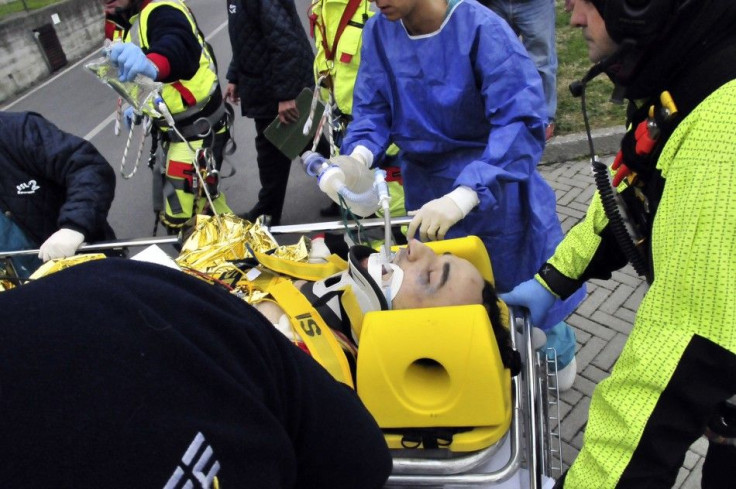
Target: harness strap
{"x":347,"y":14}
{"x":305,"y":271}
{"x":199,"y":127}
{"x":352,"y":309}
{"x":315,"y":333}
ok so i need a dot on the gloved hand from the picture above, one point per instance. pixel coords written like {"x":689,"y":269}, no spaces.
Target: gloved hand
{"x":532,"y":295}
{"x":438,"y":215}
{"x":130,"y":118}
{"x":318,"y":251}
{"x":363,"y":155}
{"x":62,"y":243}
{"x":131,"y":61}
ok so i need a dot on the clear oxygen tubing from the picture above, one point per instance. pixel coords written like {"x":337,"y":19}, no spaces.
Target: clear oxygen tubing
{"x":366,"y":198}
{"x":384,"y":199}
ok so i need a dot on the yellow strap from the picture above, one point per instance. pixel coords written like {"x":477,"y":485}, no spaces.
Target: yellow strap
{"x":304,"y":271}
{"x":353,"y":310}
{"x":313,"y":330}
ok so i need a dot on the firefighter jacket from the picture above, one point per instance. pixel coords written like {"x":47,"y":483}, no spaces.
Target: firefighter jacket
{"x":50,"y":179}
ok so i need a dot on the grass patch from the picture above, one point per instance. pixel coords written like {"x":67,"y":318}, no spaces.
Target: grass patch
{"x":19,"y":6}
{"x":572,"y":56}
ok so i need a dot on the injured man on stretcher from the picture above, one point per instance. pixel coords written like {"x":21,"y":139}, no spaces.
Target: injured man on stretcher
{"x":117,"y":373}
{"x":416,"y":277}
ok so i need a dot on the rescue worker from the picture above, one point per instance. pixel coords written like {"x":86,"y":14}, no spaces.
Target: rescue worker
{"x":159,"y":380}
{"x":452,"y":86}
{"x":534,"y":22}
{"x":163,"y":42}
{"x":270,"y":66}
{"x":56,"y":190}
{"x":675,"y":61}
{"x":417,"y":277}
{"x":337,"y":28}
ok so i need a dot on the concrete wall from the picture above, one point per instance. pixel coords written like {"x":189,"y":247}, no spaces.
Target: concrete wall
{"x":80,"y":30}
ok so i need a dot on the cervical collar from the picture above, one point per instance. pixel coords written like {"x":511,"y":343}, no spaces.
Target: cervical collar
{"x":324,"y":294}
{"x":388,"y":275}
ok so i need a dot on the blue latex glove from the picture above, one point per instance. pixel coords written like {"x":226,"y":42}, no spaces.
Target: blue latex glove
{"x":532,"y":295}
{"x":129,"y":117}
{"x":131,"y":61}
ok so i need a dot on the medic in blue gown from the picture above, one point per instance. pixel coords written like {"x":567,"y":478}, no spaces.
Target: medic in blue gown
{"x":465,"y":105}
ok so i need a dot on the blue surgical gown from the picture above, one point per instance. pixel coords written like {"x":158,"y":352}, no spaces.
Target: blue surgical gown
{"x":465,"y":106}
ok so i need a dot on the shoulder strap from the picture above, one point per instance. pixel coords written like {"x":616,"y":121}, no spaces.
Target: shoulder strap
{"x":347,"y":14}
{"x":315,"y":333}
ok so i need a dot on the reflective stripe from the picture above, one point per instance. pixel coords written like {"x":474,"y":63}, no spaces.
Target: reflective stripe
{"x":185,"y":94}
{"x":181,"y":169}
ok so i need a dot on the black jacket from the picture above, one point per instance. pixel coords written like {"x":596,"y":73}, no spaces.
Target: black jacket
{"x":272,"y":56}
{"x":157,"y":376}
{"x":50,"y":179}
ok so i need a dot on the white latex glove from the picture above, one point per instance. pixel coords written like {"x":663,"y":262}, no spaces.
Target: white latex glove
{"x":363,"y":154}
{"x":318,"y":251}
{"x":62,"y":243}
{"x":437,"y":216}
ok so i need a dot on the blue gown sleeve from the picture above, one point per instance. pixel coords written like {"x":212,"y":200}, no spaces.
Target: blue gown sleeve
{"x":515,"y":109}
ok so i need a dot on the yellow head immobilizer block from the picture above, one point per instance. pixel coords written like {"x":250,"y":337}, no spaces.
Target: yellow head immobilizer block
{"x":437,"y":367}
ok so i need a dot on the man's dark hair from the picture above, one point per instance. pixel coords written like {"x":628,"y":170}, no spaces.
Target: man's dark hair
{"x":510,"y":357}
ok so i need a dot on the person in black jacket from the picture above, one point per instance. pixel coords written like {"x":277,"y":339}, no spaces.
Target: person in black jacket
{"x":271,"y":64}
{"x":56,"y":189}
{"x":163,"y":380}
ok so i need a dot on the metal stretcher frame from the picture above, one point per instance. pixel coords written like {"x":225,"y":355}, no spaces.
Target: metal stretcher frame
{"x":286,"y":229}
{"x":527,"y":431}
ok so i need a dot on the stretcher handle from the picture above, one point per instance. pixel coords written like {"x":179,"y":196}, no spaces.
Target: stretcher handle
{"x":288,"y":229}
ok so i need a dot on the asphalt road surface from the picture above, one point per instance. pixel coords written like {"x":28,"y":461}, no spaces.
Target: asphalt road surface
{"x":79,"y":103}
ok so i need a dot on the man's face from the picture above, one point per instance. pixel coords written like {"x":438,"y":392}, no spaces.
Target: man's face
{"x":585,"y":15}
{"x":111,"y":5}
{"x":432,"y":280}
{"x":395,"y":9}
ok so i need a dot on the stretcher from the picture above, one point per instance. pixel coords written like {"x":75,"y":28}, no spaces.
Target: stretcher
{"x":431,"y":373}
{"x":433,"y":379}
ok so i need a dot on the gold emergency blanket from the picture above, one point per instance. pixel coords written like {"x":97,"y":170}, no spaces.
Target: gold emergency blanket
{"x":8,"y":278}
{"x":214,"y":244}
{"x":53,"y":266}
{"x":47,"y":268}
